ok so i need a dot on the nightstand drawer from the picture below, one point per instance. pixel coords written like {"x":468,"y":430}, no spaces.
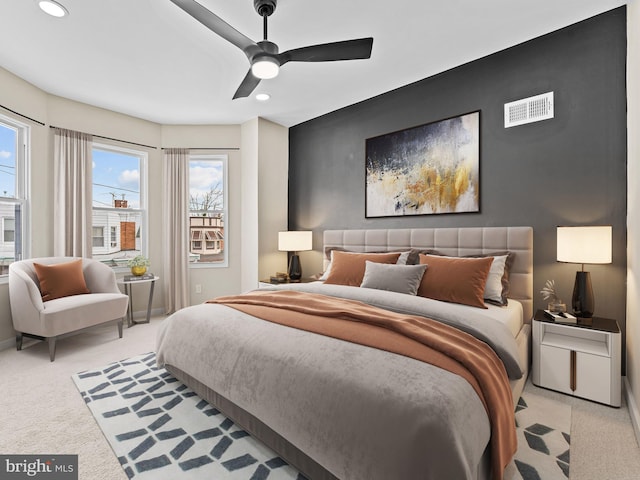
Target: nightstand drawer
{"x":588,"y":341}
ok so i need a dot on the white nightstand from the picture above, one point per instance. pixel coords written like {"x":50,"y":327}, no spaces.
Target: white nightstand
{"x":578,"y":359}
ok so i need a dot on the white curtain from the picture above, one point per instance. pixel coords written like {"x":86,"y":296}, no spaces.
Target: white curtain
{"x":175,"y":207}
{"x":72,"y":193}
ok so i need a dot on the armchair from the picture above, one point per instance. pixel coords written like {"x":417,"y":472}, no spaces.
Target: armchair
{"x":34,"y":318}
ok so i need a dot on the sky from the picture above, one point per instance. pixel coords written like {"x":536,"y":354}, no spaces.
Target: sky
{"x":7,"y":162}
{"x":114,"y":174}
{"x":118,"y":174}
{"x":205,"y":175}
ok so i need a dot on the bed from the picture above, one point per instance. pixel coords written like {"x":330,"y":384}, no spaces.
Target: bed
{"x":339,"y":409}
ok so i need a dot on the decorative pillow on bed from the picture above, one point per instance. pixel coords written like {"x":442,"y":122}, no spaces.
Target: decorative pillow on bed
{"x":414,"y":255}
{"x":497,"y":287}
{"x":395,"y":278}
{"x":328,"y":252}
{"x":61,"y":279}
{"x":348,"y":268}
{"x":455,"y":279}
{"x":496,"y":290}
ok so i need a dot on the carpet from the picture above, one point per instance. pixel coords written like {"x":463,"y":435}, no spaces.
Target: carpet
{"x":543,"y":429}
{"x":160,"y":429}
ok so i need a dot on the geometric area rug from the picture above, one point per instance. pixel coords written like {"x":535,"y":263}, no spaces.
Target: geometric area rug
{"x":160,"y":429}
{"x":543,"y":429}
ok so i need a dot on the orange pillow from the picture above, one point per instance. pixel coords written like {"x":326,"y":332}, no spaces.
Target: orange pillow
{"x":454,"y":279}
{"x":347,"y":268}
{"x":61,"y":280}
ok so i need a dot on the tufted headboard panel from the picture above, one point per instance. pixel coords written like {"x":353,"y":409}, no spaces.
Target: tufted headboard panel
{"x":451,"y":241}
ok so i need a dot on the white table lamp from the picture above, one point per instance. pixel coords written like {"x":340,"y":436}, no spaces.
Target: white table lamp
{"x":295,"y":242}
{"x":591,"y":244}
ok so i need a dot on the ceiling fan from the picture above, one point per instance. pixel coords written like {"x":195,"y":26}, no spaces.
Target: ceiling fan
{"x":263,"y":56}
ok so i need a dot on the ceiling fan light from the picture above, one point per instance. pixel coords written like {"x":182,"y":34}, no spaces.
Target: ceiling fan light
{"x":53,"y":8}
{"x":265,"y":68}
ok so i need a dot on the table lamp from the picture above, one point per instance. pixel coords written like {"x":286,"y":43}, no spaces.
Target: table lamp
{"x":295,"y":242}
{"x":590,"y":244}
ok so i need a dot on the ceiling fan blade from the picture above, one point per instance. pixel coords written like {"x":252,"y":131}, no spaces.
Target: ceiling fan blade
{"x":329,"y":52}
{"x":248,"y":85}
{"x":219,"y":26}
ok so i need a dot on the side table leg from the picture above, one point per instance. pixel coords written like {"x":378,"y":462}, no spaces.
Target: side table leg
{"x":153,"y":284}
{"x":128,"y":290}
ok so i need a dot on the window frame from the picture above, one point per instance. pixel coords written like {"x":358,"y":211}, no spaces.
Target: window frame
{"x":23,"y":188}
{"x":224,"y":159}
{"x":143,"y":163}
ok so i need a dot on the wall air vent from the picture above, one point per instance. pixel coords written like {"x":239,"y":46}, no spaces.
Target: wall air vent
{"x":528,"y":110}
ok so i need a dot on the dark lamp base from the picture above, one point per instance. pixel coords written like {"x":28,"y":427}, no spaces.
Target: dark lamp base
{"x":582,"y":301}
{"x":295,"y":269}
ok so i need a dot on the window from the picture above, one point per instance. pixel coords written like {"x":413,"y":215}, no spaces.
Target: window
{"x":208,"y":210}
{"x":8,"y":230}
{"x":97,"y":236}
{"x":14,"y":163}
{"x":119,"y":204}
{"x":114,"y":238}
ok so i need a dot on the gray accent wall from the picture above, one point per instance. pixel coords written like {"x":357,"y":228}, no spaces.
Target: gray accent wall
{"x":569,"y":170}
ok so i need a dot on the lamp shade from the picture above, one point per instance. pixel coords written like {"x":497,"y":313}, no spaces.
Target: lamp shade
{"x":295,"y":241}
{"x":590,"y":244}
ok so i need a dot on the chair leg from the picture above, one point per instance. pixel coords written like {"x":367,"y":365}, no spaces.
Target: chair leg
{"x":52,"y":348}
{"x":120,"y":328}
{"x":19,"y":341}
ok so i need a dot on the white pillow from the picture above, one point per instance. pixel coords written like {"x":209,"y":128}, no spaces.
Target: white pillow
{"x":493,"y":287}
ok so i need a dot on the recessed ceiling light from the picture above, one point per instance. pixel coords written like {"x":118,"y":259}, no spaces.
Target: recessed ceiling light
{"x":53,"y":8}
{"x":263,"y":97}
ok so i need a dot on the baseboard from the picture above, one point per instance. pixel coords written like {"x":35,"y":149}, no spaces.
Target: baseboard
{"x":8,"y":343}
{"x":143,"y":313}
{"x":634,"y":413}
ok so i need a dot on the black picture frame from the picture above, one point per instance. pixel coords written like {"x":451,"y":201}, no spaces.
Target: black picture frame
{"x":429,"y":169}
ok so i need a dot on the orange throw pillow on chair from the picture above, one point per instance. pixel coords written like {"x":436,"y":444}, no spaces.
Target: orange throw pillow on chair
{"x":61,"y":280}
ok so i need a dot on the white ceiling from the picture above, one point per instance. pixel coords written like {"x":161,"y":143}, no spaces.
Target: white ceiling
{"x":149,"y":59}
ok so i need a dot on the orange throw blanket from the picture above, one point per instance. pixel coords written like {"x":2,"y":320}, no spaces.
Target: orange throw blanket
{"x":412,"y":336}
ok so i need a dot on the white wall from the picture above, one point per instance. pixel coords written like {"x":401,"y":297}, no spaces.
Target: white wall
{"x":273,"y":155}
{"x":633,"y":213}
{"x":265,"y":162}
{"x":249,"y":205}
{"x":271,"y":144}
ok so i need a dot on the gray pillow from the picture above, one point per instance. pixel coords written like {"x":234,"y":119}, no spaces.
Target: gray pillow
{"x":393,"y":277}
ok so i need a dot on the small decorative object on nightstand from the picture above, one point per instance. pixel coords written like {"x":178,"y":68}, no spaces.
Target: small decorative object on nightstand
{"x":581,"y":359}
{"x":550,"y":295}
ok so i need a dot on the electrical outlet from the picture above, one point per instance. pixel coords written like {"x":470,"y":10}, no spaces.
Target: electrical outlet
{"x":198,"y":288}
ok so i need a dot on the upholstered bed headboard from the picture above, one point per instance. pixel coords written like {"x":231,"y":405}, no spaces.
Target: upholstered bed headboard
{"x":455,"y":242}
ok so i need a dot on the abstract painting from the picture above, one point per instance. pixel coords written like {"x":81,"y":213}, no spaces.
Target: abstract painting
{"x":429,"y":169}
